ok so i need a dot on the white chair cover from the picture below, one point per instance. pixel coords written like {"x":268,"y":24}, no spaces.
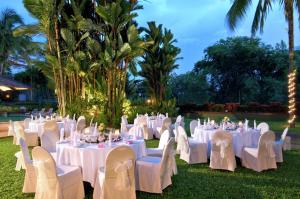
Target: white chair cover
{"x":31,"y":139}
{"x":117,"y":179}
{"x":162,"y":143}
{"x":11,"y":131}
{"x":180,"y":120}
{"x":81,"y":124}
{"x":165,"y":126}
{"x":154,"y":173}
{"x":53,"y":182}
{"x":137,"y":131}
{"x":191,"y":151}
{"x":222,"y":154}
{"x":287,"y":145}
{"x":124,"y":124}
{"x":193,"y":125}
{"x":142,"y":122}
{"x":278,"y":146}
{"x":263,"y":157}
{"x":29,"y":185}
{"x":263,"y":127}
{"x":50,"y":136}
{"x":26,"y":123}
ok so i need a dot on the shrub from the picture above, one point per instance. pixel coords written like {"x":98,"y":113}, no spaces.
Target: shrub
{"x":232,"y":107}
{"x":217,"y":108}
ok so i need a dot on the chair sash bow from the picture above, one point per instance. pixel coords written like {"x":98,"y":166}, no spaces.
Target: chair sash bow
{"x":223,"y":144}
{"x":123,"y":178}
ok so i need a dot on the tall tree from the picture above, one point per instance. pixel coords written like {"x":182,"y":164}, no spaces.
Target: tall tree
{"x":238,"y":11}
{"x":13,"y":49}
{"x":159,"y":60}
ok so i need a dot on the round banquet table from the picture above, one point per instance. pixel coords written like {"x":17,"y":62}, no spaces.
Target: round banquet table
{"x":37,"y":126}
{"x":90,"y":157}
{"x":240,"y":139}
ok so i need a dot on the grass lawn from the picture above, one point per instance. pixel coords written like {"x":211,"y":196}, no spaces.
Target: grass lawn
{"x":277,"y":122}
{"x":192,"y":181}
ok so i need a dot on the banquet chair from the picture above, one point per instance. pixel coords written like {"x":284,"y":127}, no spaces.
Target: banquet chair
{"x":278,"y":146}
{"x":162,"y":143}
{"x":165,"y":126}
{"x":50,"y":136}
{"x":68,"y":125}
{"x":180,"y":120}
{"x":287,"y":145}
{"x":193,"y":125}
{"x":25,"y":162}
{"x":142,"y":122}
{"x":42,"y":112}
{"x":117,"y":179}
{"x":49,"y":112}
{"x":11,"y":131}
{"x":136,"y":131}
{"x":80,"y":124}
{"x":55,"y":182}
{"x":263,"y":127}
{"x":153,"y":174}
{"x":26,"y":123}
{"x":262,"y":157}
{"x":31,"y":139}
{"x":191,"y":151}
{"x":222,"y":154}
{"x":124,"y":124}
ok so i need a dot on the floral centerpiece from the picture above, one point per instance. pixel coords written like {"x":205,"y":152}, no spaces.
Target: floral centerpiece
{"x":226,"y":119}
{"x":101,"y":129}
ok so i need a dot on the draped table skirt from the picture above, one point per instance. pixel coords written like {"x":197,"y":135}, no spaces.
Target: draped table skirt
{"x":90,"y":157}
{"x":240,"y":139}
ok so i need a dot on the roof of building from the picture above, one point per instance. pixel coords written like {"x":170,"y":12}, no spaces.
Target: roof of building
{"x":7,"y":84}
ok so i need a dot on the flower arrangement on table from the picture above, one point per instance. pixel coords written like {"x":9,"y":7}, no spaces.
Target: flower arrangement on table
{"x":226,"y":119}
{"x":101,"y":129}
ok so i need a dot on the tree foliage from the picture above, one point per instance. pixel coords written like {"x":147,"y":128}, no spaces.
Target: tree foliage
{"x":159,"y":60}
{"x":90,"y":47}
{"x":14,"y":50}
{"x":244,"y":69}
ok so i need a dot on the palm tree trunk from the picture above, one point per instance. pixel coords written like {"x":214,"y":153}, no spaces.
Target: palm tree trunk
{"x":292,"y":68}
{"x":61,"y":85}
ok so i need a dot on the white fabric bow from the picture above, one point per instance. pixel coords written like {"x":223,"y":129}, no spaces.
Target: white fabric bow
{"x":123,"y":179}
{"x":223,"y":144}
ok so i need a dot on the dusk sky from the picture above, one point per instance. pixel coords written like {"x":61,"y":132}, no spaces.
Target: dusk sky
{"x":195,"y":24}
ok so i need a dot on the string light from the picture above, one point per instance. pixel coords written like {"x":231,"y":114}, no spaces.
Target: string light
{"x":292,"y":96}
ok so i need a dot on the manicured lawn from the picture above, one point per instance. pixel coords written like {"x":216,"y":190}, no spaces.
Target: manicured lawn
{"x":277,"y":122}
{"x":192,"y":181}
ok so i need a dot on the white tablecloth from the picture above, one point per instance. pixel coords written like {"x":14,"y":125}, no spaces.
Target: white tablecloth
{"x":240,"y":139}
{"x":38,"y":127}
{"x":90,"y":157}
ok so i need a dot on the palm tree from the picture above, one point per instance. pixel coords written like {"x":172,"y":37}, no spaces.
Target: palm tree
{"x":238,"y":11}
{"x":159,"y":60}
{"x":12,"y":48}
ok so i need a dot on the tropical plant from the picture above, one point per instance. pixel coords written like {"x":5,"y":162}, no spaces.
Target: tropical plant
{"x":159,"y":60}
{"x":14,"y":50}
{"x":238,"y":11}
{"x":90,"y":47}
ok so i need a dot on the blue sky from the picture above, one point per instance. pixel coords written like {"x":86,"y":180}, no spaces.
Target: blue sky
{"x":195,"y":24}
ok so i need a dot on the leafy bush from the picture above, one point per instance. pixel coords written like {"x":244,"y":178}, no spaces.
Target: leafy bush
{"x":217,"y":108}
{"x":9,"y":109}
